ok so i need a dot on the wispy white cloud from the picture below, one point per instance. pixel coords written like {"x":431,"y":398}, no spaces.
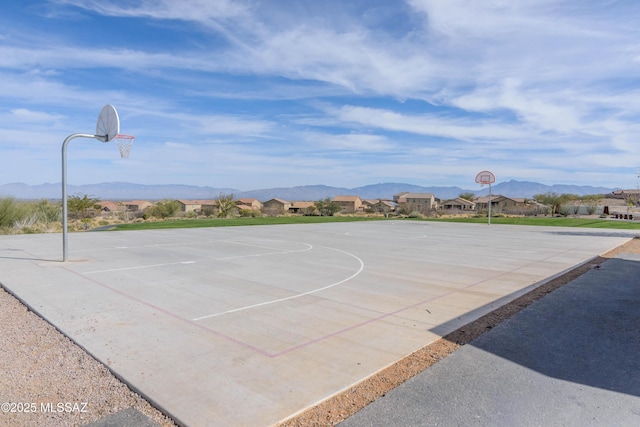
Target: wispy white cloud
{"x":533,"y":88}
{"x":353,"y":143}
{"x":188,"y":10}
{"x":24,"y":115}
{"x":430,"y":124}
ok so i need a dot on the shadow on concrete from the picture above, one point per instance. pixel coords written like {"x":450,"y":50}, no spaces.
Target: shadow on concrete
{"x":586,"y":332}
{"x":26,"y":257}
{"x":570,"y":358}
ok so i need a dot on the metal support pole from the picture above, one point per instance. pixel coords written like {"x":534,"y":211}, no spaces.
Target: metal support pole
{"x":489,"y":223}
{"x":65,"y":251}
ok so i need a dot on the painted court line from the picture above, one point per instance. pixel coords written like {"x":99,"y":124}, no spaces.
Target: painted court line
{"x":138,"y":267}
{"x":384,"y":315}
{"x":249,"y":307}
{"x":280,"y":252}
{"x":309,"y":247}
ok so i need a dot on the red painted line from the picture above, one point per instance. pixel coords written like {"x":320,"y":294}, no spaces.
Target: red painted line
{"x":315,"y":340}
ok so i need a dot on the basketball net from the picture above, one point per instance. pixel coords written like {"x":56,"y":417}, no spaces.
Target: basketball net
{"x":124,"y":144}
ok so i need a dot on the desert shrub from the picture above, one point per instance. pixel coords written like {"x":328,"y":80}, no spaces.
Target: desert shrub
{"x":565,"y":210}
{"x":81,"y":206}
{"x":163,"y":209}
{"x":47,"y":212}
{"x":250,"y":213}
{"x":11,"y":212}
{"x":27,"y":221}
{"x":208,"y":211}
{"x":310,"y":211}
{"x":327,"y":207}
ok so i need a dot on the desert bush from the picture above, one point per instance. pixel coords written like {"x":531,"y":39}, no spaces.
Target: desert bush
{"x":310,"y":211}
{"x":27,"y":221}
{"x":250,"y":213}
{"x":163,"y":209}
{"x":565,"y":210}
{"x":81,"y":206}
{"x":226,"y":206}
{"x":46,"y":212}
{"x":327,"y":207}
{"x":11,"y":211}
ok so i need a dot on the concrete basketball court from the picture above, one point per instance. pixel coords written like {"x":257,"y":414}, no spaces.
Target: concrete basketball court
{"x":247,"y":326}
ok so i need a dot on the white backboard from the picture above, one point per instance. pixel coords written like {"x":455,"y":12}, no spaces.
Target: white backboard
{"x":108,"y":124}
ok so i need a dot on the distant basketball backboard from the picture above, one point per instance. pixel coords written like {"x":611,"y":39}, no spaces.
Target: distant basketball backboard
{"x":485,"y":177}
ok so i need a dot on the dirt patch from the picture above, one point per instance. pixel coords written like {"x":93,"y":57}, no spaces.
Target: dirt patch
{"x":339,"y":407}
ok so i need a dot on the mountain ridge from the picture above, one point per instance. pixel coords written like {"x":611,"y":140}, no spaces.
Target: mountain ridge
{"x":132,"y":191}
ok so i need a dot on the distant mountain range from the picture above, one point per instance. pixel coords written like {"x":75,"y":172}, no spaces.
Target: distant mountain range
{"x":128,"y":191}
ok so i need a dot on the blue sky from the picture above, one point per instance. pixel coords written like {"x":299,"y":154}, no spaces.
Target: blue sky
{"x":256,"y":94}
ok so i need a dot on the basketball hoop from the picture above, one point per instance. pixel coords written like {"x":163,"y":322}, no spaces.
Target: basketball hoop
{"x":485,"y":177}
{"x":124,"y":144}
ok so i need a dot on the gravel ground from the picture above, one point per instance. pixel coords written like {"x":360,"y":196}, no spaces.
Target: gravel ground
{"x":49,"y":381}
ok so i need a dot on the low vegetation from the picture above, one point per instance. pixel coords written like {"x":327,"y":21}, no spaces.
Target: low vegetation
{"x":163,"y":209}
{"x":44,"y":216}
{"x":29,"y":217}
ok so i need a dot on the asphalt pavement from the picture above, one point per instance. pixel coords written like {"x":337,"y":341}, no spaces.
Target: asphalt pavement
{"x":570,"y":359}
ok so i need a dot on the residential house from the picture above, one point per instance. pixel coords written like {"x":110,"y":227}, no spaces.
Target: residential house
{"x":459,"y":205}
{"x":503,"y":204}
{"x":189,"y":205}
{"x":379,"y":206}
{"x":107,"y":206}
{"x":195,"y":205}
{"x":249,"y":203}
{"x":137,"y":206}
{"x":369,"y":204}
{"x":396,"y":198}
{"x":276,"y":206}
{"x":209,"y":207}
{"x":302,"y":207}
{"x":349,"y":203}
{"x":420,"y":202}
{"x":629,"y":196}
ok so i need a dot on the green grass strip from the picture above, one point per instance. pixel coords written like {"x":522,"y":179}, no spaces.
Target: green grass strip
{"x":228,"y":222}
{"x":549,"y":222}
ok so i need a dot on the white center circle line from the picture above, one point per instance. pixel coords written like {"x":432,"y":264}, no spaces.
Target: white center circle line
{"x":249,"y":307}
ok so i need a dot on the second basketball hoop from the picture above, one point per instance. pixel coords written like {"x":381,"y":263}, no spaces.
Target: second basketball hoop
{"x":485,"y":177}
